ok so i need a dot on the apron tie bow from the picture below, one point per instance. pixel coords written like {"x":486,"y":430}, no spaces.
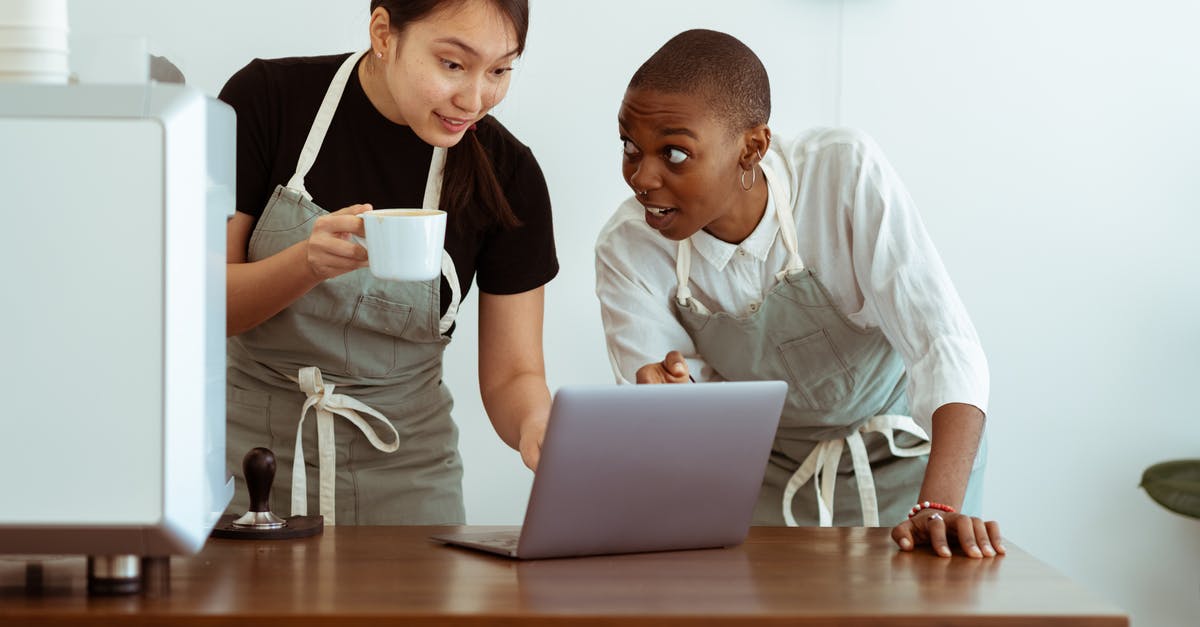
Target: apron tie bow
{"x":822,"y":463}
{"x":327,"y":405}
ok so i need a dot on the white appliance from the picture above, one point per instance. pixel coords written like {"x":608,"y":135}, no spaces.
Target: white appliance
{"x":114,"y":201}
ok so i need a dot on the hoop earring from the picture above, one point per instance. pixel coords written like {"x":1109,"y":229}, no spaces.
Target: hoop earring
{"x":753,"y":178}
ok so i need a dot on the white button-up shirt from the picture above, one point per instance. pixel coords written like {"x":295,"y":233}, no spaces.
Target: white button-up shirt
{"x":859,"y":233}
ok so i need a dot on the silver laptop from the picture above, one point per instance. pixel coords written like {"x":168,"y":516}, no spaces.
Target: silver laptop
{"x":634,"y":468}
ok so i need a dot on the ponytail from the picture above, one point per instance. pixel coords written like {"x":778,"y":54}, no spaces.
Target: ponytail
{"x":471,"y":194}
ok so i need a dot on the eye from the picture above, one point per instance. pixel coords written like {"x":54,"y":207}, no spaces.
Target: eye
{"x":450,"y":65}
{"x":629,"y":148}
{"x":676,"y":155}
{"x":501,"y":71}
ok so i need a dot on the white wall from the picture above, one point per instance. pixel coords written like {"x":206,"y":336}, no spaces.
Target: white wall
{"x":1050,"y":145}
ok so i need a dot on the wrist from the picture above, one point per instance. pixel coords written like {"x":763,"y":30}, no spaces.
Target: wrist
{"x":311,"y":274}
{"x":930,"y":505}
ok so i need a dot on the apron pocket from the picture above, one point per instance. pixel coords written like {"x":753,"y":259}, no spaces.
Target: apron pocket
{"x":817,"y":371}
{"x":371,"y":336}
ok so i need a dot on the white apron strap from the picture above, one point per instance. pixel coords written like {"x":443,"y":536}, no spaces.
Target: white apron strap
{"x":433,"y":200}
{"x":787,"y":222}
{"x":327,"y":405}
{"x":316,"y":133}
{"x":821,"y":467}
{"x":433,"y":182}
{"x":451,"y":275}
{"x":683,"y":270}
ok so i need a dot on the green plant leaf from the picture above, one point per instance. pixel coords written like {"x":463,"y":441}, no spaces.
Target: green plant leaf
{"x":1175,"y":485}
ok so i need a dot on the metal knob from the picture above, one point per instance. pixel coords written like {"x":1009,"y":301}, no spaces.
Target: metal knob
{"x":258,"y":468}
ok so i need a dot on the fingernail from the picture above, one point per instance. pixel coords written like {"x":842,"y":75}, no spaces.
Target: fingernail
{"x":905,"y":543}
{"x":1001,"y":548}
{"x":975,"y":552}
{"x":988,"y":550}
{"x":944,"y":551}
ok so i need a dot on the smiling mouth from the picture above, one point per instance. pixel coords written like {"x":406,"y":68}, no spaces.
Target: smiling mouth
{"x":660,"y":211}
{"x":453,"y":121}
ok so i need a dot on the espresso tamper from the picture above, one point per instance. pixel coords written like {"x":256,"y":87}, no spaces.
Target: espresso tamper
{"x":259,"y":523}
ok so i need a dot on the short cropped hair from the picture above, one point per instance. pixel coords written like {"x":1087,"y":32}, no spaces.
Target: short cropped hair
{"x":713,"y":65}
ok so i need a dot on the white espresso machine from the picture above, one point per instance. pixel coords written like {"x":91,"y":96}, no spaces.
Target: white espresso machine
{"x":114,"y":201}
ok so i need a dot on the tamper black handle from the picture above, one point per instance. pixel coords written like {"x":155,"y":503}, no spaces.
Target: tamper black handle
{"x":258,"y":467}
{"x":258,"y":523}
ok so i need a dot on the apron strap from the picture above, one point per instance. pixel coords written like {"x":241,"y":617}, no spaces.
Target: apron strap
{"x":787,"y":222}
{"x":433,"y":200}
{"x":820,"y":466}
{"x":822,"y":463}
{"x":433,"y":182}
{"x":451,"y":274}
{"x":316,"y":134}
{"x":683,"y":269}
{"x":327,"y":405}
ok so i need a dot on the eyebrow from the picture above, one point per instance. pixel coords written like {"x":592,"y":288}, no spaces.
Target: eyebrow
{"x":455,"y":41}
{"x":664,"y":132}
{"x":677,"y":131}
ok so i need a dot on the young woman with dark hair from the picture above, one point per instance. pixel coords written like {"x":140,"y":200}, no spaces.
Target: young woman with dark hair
{"x":313,"y":333}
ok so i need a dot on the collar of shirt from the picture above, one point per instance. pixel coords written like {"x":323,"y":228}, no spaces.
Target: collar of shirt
{"x":758,"y":245}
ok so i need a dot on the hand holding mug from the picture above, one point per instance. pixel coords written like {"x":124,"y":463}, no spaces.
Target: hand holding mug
{"x":329,"y":249}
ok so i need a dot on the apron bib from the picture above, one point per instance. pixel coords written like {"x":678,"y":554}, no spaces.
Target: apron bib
{"x":846,"y":389}
{"x":360,"y":356}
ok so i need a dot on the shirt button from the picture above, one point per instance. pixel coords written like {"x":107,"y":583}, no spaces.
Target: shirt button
{"x":753,"y":307}
{"x":741,"y":251}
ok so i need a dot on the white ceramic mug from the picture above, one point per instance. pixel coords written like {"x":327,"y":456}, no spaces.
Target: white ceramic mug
{"x":404,"y":244}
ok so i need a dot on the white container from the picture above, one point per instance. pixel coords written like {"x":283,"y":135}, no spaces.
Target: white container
{"x":34,"y":13}
{"x":33,"y":61}
{"x":20,"y":38}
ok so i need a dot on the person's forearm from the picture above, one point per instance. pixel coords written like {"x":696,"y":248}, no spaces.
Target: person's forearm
{"x":258,"y":290}
{"x":955,"y":441}
{"x":510,"y":404}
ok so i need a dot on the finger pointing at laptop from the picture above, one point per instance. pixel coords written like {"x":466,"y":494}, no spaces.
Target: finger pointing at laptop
{"x":672,"y":369}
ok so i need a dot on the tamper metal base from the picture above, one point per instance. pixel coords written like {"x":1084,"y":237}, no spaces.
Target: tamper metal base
{"x":297,"y":527}
{"x":259,"y":520}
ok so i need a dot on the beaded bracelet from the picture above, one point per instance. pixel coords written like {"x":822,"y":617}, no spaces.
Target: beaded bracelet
{"x":928,"y":505}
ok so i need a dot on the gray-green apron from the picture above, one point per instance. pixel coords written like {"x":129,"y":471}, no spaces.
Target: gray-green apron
{"x":846,"y":388}
{"x":379,"y":344}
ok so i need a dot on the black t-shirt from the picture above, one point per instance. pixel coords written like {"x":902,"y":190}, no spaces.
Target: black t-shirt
{"x":367,"y":158}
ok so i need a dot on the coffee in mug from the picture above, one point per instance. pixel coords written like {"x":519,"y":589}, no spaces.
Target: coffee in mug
{"x":404,"y":244}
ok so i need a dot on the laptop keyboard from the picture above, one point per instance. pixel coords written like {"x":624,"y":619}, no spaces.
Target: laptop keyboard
{"x":500,"y":540}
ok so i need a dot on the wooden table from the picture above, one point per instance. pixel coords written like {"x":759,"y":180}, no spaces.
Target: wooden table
{"x":390,"y":575}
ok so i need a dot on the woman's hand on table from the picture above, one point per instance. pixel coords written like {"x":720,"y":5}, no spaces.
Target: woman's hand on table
{"x":939,"y":530}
